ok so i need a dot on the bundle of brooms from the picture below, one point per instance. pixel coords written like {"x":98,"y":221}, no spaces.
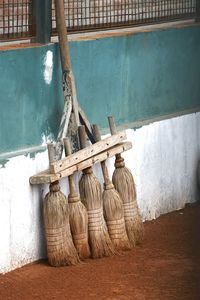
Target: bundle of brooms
{"x":69,"y":224}
{"x":89,"y":227}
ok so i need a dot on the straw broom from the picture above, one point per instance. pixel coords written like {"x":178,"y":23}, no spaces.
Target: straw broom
{"x":124,"y":184}
{"x":113,"y":207}
{"x":78,"y":217}
{"x":60,"y":247}
{"x":91,"y":195}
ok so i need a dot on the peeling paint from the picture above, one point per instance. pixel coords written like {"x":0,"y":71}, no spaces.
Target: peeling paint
{"x":48,"y":67}
{"x":47,"y":139}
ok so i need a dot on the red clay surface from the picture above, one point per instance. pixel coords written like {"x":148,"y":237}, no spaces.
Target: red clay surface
{"x":166,"y":267}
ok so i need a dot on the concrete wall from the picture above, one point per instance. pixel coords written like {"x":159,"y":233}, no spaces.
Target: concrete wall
{"x":135,"y":77}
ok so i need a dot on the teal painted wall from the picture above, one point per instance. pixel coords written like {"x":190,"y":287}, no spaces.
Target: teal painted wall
{"x":29,"y":107}
{"x":140,"y":76}
{"x":133,"y":77}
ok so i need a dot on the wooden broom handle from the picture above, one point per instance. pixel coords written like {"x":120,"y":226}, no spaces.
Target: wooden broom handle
{"x":97,"y":136}
{"x":68,"y":151}
{"x":113,"y":130}
{"x":112,"y":125}
{"x":82,"y":136}
{"x":54,"y":186}
{"x":51,"y":152}
{"x":65,"y":56}
{"x":96,"y":132}
{"x":62,"y":35}
{"x":82,"y":141}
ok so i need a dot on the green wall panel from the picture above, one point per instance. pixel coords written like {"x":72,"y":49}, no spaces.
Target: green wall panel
{"x":133,"y":77}
{"x":139,"y":76}
{"x":30,"y":108}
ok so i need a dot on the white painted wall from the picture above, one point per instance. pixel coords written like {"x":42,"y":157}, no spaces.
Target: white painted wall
{"x":163,"y":160}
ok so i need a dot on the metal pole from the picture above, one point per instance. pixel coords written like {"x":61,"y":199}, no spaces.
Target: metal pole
{"x":197,"y":11}
{"x":42,"y":15}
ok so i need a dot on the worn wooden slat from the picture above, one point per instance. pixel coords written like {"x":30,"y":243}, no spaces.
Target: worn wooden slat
{"x":89,"y":151}
{"x":44,"y":177}
{"x":47,"y":177}
{"x":104,"y":155}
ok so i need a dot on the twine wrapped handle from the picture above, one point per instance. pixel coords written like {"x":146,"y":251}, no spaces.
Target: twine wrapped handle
{"x":54,"y":186}
{"x":119,"y":162}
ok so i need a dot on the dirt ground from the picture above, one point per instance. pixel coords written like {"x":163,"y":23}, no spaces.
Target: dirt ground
{"x":166,"y":267}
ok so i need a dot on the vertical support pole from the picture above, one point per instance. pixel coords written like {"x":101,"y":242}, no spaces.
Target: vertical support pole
{"x":41,"y":22}
{"x":197,"y":11}
{"x":31,"y":19}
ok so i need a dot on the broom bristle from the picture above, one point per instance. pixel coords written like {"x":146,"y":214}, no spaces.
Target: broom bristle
{"x":124,"y":184}
{"x":91,"y":195}
{"x":78,"y":219}
{"x":60,"y":247}
{"x":114,"y":216}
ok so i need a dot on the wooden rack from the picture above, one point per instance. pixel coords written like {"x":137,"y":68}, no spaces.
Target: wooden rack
{"x":83,"y":159}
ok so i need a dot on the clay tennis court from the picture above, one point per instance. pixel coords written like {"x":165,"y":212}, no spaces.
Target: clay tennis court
{"x":166,"y":267}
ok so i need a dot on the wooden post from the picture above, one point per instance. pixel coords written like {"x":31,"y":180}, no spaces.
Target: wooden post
{"x":42,"y":15}
{"x":197,"y":11}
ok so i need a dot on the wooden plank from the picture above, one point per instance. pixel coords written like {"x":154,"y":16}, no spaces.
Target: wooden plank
{"x":88,"y":152}
{"x":44,"y":177}
{"x":104,"y":155}
{"x":47,"y":177}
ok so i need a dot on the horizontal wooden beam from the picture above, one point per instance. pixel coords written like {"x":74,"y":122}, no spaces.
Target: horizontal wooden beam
{"x":87,"y":152}
{"x":47,"y":177}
